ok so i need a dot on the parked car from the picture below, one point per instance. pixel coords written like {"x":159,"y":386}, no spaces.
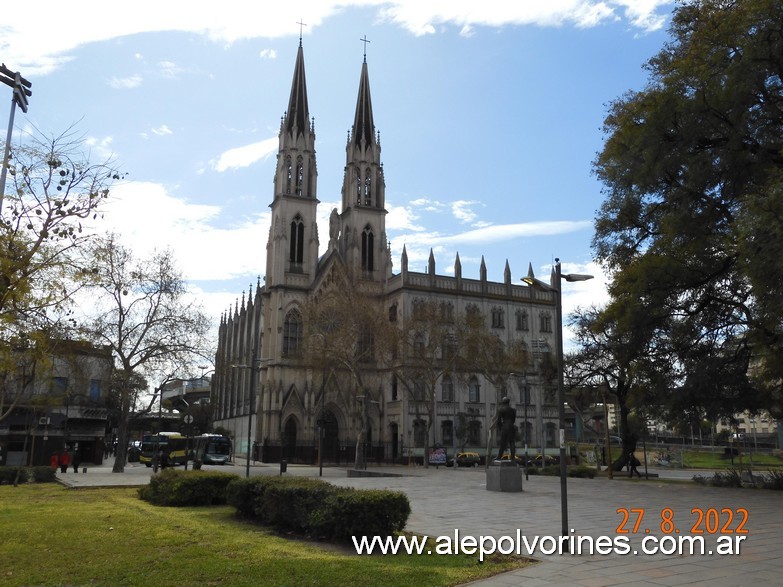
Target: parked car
{"x":546,"y":461}
{"x":465,"y":459}
{"x":507,"y":457}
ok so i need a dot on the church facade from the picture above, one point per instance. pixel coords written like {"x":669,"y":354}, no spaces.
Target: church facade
{"x":277,"y":406}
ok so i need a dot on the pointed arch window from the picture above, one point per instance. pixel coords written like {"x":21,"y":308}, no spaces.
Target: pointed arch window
{"x":367,"y":188}
{"x":289,"y":173}
{"x":368,"y":246}
{"x":474,"y":391}
{"x":296,"y":242}
{"x":365,"y":349}
{"x":498,"y":318}
{"x":447,"y":389}
{"x":522,"y":323}
{"x":545,"y":319}
{"x":299,"y":175}
{"x":292,"y":334}
{"x":358,"y":188}
{"x":419,"y":432}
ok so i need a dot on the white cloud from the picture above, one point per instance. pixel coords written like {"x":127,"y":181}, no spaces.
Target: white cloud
{"x":268,"y":54}
{"x":36,"y":46}
{"x":422,"y":18}
{"x":462,"y":212}
{"x":162,"y":130}
{"x":147,"y":217}
{"x":100,"y":148}
{"x":124,"y":83}
{"x":401,"y":218}
{"x":247,"y":155}
{"x":504,"y":232}
{"x":169,"y":69}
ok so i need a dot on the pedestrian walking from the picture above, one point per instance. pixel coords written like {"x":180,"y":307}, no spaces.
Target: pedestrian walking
{"x":76,"y":460}
{"x":633,"y":462}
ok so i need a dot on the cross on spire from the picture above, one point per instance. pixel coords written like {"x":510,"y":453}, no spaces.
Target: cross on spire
{"x":365,"y":41}
{"x":301,"y":24}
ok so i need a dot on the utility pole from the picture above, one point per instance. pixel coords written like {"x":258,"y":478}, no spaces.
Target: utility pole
{"x":22,"y":92}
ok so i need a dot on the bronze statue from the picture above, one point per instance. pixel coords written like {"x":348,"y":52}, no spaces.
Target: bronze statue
{"x":505,"y":422}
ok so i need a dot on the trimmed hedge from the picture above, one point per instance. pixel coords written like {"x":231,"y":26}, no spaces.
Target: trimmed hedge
{"x":186,"y":488}
{"x":42,"y":474}
{"x":8,"y":475}
{"x":315,"y":508}
{"x":554,"y":471}
{"x":348,"y":512}
{"x":581,"y":471}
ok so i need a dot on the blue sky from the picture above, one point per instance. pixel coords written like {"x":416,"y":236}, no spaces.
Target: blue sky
{"x":490,"y":116}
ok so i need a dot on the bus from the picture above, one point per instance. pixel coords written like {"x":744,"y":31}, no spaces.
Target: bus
{"x":172,"y":446}
{"x":212,"y":449}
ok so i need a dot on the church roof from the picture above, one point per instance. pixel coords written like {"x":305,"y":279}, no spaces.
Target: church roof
{"x":298,"y":114}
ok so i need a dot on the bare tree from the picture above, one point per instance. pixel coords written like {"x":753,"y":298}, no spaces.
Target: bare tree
{"x":429,"y":341}
{"x":351,"y":336}
{"x":143,"y":312}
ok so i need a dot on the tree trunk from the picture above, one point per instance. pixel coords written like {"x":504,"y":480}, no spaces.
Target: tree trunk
{"x":122,"y":433}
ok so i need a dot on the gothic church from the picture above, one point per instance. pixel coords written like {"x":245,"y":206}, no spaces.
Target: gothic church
{"x":272,"y":403}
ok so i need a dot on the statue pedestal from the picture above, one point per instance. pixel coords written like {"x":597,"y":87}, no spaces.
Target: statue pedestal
{"x":504,"y":476}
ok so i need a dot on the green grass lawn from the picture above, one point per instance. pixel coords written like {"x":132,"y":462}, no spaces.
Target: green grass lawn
{"x":716,"y":460}
{"x":57,"y":536}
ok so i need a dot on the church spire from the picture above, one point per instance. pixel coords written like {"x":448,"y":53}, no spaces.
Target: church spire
{"x":363,"y":131}
{"x":292,"y":247}
{"x":297,"y":118}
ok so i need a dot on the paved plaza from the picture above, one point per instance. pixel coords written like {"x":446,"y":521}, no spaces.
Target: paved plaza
{"x":444,"y":500}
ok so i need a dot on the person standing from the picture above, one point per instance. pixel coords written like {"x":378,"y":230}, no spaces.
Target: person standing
{"x":65,"y":460}
{"x":54,"y":462}
{"x":76,"y":461}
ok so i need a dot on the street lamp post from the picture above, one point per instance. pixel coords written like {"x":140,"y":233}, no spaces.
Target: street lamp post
{"x":525,"y":399}
{"x":250,"y":411}
{"x":254,"y":367}
{"x":531,"y":280}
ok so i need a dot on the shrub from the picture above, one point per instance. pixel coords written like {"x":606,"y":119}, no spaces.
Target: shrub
{"x":772,"y":480}
{"x":186,"y":488}
{"x":350,"y":512}
{"x":728,"y":478}
{"x":8,"y":475}
{"x":286,"y":502}
{"x":43,"y":475}
{"x":243,"y":494}
{"x":581,"y":471}
{"x":316,"y":508}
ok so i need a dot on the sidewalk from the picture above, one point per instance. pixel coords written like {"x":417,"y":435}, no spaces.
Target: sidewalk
{"x":446,"y":499}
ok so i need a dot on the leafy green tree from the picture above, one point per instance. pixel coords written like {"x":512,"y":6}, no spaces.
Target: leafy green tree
{"x":144,"y":313}
{"x":626,"y":363}
{"x":692,"y":168}
{"x":53,"y":192}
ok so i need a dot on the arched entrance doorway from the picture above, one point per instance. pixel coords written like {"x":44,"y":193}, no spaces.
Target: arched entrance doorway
{"x":289,"y":435}
{"x":330,"y":441}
